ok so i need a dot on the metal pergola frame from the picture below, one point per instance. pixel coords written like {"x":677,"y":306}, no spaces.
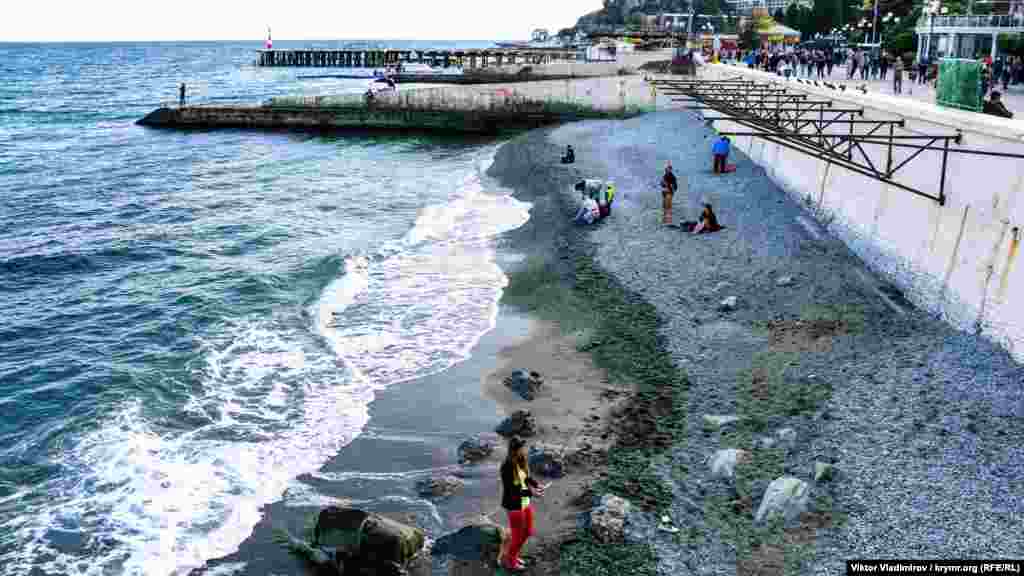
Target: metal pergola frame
{"x":775,"y":113}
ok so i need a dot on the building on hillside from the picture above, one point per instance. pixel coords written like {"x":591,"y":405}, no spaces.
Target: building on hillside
{"x":966,"y":36}
{"x":673,"y":21}
{"x":746,"y":7}
{"x":540,"y":35}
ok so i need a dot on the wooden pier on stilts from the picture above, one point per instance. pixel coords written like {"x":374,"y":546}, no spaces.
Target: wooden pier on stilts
{"x":382,"y":58}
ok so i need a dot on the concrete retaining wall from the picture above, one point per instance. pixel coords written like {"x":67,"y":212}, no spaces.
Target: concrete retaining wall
{"x":318,"y":118}
{"x":604,"y":94}
{"x":958,"y":260}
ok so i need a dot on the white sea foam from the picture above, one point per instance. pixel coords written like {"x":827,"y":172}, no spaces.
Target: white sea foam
{"x":275,"y":406}
{"x":160,"y":503}
{"x":428,"y":300}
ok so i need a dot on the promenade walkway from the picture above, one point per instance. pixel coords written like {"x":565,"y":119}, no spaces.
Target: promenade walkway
{"x":1013,"y":97}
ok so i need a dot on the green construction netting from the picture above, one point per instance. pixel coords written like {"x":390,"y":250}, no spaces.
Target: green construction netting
{"x":959,"y":84}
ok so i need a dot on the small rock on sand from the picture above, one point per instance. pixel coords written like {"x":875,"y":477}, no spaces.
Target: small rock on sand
{"x":607,"y":521}
{"x":520,"y":423}
{"x":441,"y":487}
{"x":525,"y":383}
{"x":547,"y":461}
{"x":478,"y":447}
{"x":786,"y":497}
{"x":729,"y":304}
{"x":784,"y":281}
{"x":717,"y":421}
{"x":723,"y":462}
{"x":823,"y":472}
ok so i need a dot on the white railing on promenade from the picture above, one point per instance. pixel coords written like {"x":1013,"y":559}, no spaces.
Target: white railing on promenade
{"x":991,"y":21}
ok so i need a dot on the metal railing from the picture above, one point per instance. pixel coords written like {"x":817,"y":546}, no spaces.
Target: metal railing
{"x":990,"y":21}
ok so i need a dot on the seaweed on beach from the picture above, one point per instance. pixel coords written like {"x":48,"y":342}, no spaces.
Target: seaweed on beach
{"x":562,"y":283}
{"x":630,"y":350}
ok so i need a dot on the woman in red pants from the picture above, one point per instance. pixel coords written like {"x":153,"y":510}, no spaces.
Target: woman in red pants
{"x":517,"y":488}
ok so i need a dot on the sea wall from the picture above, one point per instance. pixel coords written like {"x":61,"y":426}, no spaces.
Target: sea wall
{"x":959,"y":259}
{"x":483,"y":109}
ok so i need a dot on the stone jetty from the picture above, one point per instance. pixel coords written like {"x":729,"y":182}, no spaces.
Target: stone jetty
{"x":467,"y":109}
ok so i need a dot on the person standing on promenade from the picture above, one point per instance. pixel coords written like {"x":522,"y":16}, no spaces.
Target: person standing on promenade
{"x":897,"y":76}
{"x":516,"y":489}
{"x":181,"y":95}
{"x":668,"y":188}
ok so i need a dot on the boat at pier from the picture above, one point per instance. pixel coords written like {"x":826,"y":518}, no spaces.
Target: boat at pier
{"x":539,"y":39}
{"x":421,"y":69}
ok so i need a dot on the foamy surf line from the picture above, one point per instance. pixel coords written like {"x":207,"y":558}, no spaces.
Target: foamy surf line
{"x":422,"y":304}
{"x":273,"y":403}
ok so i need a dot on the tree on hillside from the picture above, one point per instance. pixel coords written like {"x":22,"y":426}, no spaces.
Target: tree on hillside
{"x":712,"y":7}
{"x":826,"y":15}
{"x":792,"y":16}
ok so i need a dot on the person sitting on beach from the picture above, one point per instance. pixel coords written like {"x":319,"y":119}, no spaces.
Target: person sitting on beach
{"x":994,"y":106}
{"x":588,"y":212}
{"x":708,"y":222}
{"x":609,"y":198}
{"x":570,"y":156}
{"x":516,"y":489}
{"x":720,"y":151}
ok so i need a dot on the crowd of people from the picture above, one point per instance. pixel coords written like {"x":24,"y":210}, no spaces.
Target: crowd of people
{"x":864,"y":65}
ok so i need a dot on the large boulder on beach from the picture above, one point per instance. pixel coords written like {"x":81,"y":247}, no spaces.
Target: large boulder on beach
{"x":521,"y":423}
{"x":473,"y":549}
{"x":607,"y":520}
{"x":478,"y":447}
{"x":525,"y":383}
{"x":365,"y":542}
{"x":438,"y":487}
{"x":786,"y":497}
{"x":547,"y":461}
{"x":723,"y":463}
{"x":474,"y":542}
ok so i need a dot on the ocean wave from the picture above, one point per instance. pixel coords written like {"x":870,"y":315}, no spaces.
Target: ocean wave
{"x":53,"y":264}
{"x":270,"y":402}
{"x":142,"y":500}
{"x":424,"y":301}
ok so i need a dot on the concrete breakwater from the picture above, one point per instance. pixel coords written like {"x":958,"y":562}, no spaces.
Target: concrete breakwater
{"x":469,"y":109}
{"x":957,"y":258}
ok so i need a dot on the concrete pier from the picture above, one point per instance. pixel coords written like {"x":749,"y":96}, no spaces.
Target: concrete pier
{"x":382,"y":58}
{"x":467,"y":109}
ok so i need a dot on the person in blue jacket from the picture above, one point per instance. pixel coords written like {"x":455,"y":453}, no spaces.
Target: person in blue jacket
{"x":720,"y":151}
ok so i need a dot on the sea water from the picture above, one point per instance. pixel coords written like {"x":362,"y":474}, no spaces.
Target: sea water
{"x":193,"y":319}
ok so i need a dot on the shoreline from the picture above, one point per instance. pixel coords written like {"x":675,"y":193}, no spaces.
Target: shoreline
{"x":464,"y":400}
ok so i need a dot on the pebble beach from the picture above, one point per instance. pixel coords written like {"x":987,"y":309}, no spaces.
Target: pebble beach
{"x":920,"y":423}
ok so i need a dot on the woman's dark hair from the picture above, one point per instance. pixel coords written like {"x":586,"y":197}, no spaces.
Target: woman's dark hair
{"x":513,"y":458}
